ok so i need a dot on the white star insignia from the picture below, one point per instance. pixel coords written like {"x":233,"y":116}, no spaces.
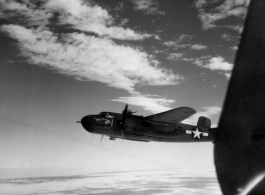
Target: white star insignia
{"x":197,"y":134}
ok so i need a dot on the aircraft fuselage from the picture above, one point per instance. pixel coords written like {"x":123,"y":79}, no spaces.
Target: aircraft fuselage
{"x":137,"y":128}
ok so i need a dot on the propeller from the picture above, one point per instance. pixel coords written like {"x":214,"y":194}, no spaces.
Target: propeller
{"x":124,"y":113}
{"x":101,"y":138}
{"x":131,"y":112}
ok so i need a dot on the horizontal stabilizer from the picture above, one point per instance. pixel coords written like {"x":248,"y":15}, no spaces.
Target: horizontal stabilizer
{"x":172,"y":116}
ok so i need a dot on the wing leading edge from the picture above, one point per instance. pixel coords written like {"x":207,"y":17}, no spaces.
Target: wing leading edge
{"x":172,"y":116}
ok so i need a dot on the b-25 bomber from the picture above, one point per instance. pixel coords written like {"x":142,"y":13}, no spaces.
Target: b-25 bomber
{"x":161,"y":127}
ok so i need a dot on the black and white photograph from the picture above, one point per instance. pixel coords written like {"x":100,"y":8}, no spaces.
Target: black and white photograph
{"x":124,"y":97}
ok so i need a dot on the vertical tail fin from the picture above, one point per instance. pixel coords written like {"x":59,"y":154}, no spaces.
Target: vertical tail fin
{"x":204,"y":122}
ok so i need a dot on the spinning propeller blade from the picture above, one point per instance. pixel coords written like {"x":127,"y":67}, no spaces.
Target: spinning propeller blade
{"x":124,"y":114}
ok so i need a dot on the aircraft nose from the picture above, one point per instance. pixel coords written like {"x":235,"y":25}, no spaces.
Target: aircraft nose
{"x":88,"y":123}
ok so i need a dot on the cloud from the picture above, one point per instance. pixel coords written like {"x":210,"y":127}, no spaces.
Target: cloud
{"x":150,"y":7}
{"x":198,"y":47}
{"x":176,"y":44}
{"x":215,"y":63}
{"x":228,"y":75}
{"x":84,"y":56}
{"x":154,"y":104}
{"x":152,"y":181}
{"x":207,"y":112}
{"x":26,"y":13}
{"x":183,"y":41}
{"x":91,"y":58}
{"x":239,"y":28}
{"x":184,"y":37}
{"x":83,"y":16}
{"x":234,"y":48}
{"x":229,"y":37}
{"x":187,"y":59}
{"x":171,"y":43}
{"x":78,"y":14}
{"x":174,"y":56}
{"x":218,"y":63}
{"x":179,"y":42}
{"x":212,"y":11}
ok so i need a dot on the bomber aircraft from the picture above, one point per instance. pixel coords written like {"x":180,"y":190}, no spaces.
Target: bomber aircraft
{"x":161,"y":127}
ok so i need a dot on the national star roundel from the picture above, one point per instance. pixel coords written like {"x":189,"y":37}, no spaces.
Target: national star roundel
{"x":196,"y":134}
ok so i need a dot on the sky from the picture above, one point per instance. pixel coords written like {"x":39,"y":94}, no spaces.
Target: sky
{"x":63,"y":59}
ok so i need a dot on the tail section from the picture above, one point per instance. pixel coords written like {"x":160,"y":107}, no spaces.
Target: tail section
{"x":204,"y":123}
{"x":202,"y":130}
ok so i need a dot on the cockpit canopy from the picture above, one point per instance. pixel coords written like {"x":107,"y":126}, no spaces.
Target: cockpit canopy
{"x":104,"y":119}
{"x":106,"y":114}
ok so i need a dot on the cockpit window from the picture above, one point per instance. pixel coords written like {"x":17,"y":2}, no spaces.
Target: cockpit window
{"x":104,"y":119}
{"x":106,"y":115}
{"x":103,"y":114}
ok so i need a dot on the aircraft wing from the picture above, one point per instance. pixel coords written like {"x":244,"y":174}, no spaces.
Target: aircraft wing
{"x":240,"y":140}
{"x":172,"y":116}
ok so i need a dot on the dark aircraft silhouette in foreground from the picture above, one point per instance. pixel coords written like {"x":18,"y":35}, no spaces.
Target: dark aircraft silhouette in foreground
{"x":239,"y":141}
{"x":239,"y":149}
{"x":162,"y":127}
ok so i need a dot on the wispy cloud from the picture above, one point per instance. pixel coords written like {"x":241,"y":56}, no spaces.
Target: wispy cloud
{"x":86,"y":57}
{"x":216,"y":64}
{"x":91,"y":18}
{"x":198,"y":47}
{"x":184,"y":41}
{"x":228,"y":75}
{"x":176,"y":45}
{"x":234,"y":48}
{"x":147,"y":6}
{"x":212,"y":11}
{"x":26,"y":13}
{"x":174,"y":56}
{"x":229,"y":37}
{"x":78,"y":14}
{"x":181,"y":42}
{"x":149,"y":102}
{"x":91,"y":58}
